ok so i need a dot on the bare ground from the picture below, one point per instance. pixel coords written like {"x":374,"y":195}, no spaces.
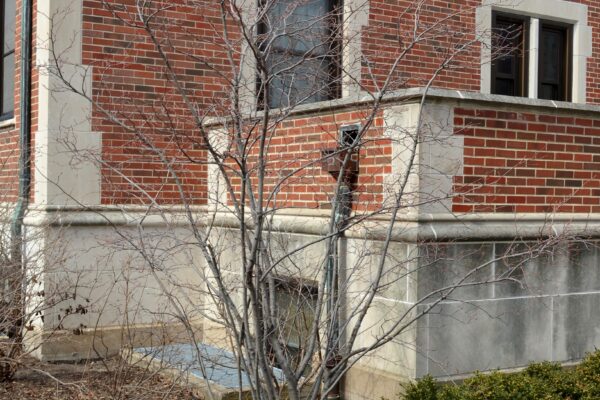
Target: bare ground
{"x":112,"y":379}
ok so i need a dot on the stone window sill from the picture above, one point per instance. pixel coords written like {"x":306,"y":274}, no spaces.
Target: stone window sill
{"x":7,"y":124}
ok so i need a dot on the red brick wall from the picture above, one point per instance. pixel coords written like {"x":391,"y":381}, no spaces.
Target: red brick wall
{"x":9,"y":159}
{"x":131,"y":83}
{"x":593,"y":73}
{"x":442,"y":27}
{"x":449,"y":24}
{"x":34,"y":100}
{"x":294,"y":171}
{"x":527,"y":162}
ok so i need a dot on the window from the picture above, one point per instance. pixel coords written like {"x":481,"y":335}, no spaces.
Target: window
{"x":572,"y":36}
{"x":7,"y":62}
{"x":509,"y":66}
{"x":554,"y":77}
{"x":298,"y":40}
{"x":296,"y":306}
{"x":513,"y":57}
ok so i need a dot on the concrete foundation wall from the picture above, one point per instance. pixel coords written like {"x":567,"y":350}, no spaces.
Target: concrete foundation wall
{"x":381,"y":371}
{"x":514,"y":303}
{"x":523,"y":301}
{"x":97,"y":287}
{"x":539,"y":307}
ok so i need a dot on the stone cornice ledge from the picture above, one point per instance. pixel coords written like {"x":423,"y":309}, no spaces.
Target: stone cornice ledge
{"x":482,"y":227}
{"x":66,"y":216}
{"x":413,"y":95}
{"x":496,"y":99}
{"x":488,"y":226}
{"x":408,"y":228}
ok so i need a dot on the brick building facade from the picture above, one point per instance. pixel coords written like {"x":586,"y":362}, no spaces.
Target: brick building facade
{"x":508,"y":156}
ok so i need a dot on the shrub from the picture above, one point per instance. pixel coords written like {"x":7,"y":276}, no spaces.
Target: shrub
{"x":587,"y":375}
{"x":540,"y":381}
{"x":425,"y":389}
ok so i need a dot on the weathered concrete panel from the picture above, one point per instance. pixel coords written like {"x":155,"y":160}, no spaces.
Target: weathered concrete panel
{"x":292,"y":255}
{"x":443,"y":266}
{"x":390,"y":322}
{"x":576,"y":327}
{"x":487,"y":335}
{"x":565,"y":268}
{"x":94,"y":279}
{"x":396,"y":279}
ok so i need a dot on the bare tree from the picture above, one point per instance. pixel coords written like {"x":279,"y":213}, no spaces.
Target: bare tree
{"x":297,"y":305}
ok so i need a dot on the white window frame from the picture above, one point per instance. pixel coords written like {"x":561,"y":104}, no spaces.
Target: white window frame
{"x":355,"y":17}
{"x":569,"y":12}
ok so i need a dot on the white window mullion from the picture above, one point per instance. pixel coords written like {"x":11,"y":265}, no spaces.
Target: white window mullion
{"x":534,"y":57}
{"x":563,"y":11}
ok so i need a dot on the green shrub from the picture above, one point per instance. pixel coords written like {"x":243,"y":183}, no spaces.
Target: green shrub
{"x":556,"y":381}
{"x":541,"y":381}
{"x":587,"y":375}
{"x":424,"y":389}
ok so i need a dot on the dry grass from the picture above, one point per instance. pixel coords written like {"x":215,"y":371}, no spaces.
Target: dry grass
{"x":112,"y":379}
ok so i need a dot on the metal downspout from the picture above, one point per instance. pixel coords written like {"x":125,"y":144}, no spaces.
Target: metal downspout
{"x":343,"y":208}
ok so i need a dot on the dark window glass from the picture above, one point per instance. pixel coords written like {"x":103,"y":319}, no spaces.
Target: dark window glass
{"x":9,"y":25}
{"x":296,"y":307}
{"x":298,"y":41}
{"x":509,"y":60}
{"x":554,"y":68}
{"x":8,"y":84}
{"x":7,"y":59}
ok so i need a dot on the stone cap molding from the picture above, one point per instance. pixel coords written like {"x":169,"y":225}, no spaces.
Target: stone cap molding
{"x":416,"y":95}
{"x":408,"y":227}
